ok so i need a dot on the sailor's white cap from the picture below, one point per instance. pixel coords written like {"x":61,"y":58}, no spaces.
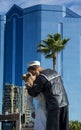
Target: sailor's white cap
{"x":33,"y":63}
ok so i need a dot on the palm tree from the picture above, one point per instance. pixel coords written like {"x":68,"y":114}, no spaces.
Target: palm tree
{"x":52,"y":45}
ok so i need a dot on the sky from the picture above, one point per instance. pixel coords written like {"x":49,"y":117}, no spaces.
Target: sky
{"x":74,"y":5}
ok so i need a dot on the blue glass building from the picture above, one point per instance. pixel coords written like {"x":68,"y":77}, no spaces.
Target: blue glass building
{"x":25,"y":28}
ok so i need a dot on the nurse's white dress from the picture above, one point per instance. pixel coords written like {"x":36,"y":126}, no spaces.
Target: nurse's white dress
{"x":40,"y":112}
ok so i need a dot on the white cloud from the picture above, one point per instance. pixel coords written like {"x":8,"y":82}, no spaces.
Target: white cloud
{"x":76,"y":9}
{"x":71,"y":4}
{"x":5,"y":5}
{"x":57,"y":2}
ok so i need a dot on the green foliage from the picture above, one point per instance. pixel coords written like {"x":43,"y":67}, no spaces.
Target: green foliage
{"x":74,"y":125}
{"x":52,"y":45}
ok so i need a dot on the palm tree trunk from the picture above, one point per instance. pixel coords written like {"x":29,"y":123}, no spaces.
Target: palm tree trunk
{"x":54,"y":62}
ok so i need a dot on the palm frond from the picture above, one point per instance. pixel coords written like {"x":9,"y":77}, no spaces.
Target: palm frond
{"x":57,"y":36}
{"x":53,"y":44}
{"x":50,"y":35}
{"x":41,"y":45}
{"x":43,"y":50}
{"x":65,"y":41}
{"x":49,"y":56}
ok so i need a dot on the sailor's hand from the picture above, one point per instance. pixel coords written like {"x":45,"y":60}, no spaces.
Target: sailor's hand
{"x":30,"y":79}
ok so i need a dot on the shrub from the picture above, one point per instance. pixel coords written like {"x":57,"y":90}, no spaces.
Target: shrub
{"x":74,"y":125}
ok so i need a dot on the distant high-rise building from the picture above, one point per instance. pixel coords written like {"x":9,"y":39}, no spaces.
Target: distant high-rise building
{"x":25,"y":28}
{"x":12,"y":99}
{"x":25,"y":109}
{"x":2,"y":26}
{"x":15,"y":101}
